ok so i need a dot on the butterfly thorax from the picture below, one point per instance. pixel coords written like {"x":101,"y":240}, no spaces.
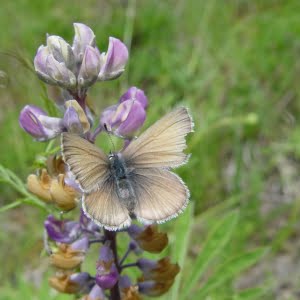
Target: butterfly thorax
{"x":124,"y":188}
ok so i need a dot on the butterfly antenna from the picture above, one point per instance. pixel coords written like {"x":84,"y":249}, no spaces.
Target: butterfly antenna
{"x":109,"y":135}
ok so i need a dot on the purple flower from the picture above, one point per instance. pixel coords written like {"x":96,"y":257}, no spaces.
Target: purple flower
{"x":78,"y":67}
{"x":75,"y":119}
{"x":134,"y":93}
{"x":37,"y":123}
{"x":107,"y":274}
{"x":90,"y":67}
{"x":114,"y":61}
{"x":51,"y":70}
{"x":62,"y":231}
{"x":128,"y":116}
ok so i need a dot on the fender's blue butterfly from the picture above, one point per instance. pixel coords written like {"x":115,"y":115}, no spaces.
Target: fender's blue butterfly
{"x":136,"y":181}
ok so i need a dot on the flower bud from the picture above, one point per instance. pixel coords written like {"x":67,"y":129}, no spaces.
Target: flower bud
{"x":40,"y":65}
{"x":51,"y":70}
{"x":40,"y":186}
{"x":63,"y":195}
{"x":37,"y":123}
{"x":71,"y":284}
{"x":114,"y":61}
{"x":148,"y":238}
{"x":62,"y":231}
{"x":61,"y":51}
{"x":75,"y":119}
{"x":59,"y":72}
{"x":70,"y":256}
{"x":90,"y":67}
{"x":107,"y":274}
{"x":84,"y":36}
{"x":96,"y":293}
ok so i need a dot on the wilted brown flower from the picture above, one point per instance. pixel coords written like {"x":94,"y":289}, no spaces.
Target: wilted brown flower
{"x":55,"y":165}
{"x":63,"y":195}
{"x":149,"y":238}
{"x":130,"y":293}
{"x":53,"y":190}
{"x":40,"y":185}
{"x":66,"y":257}
{"x":70,"y":283}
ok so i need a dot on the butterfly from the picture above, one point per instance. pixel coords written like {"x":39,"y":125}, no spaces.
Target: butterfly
{"x":135,"y":182}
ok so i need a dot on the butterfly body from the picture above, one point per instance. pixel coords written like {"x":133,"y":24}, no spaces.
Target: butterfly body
{"x":121,"y":178}
{"x":137,"y":181}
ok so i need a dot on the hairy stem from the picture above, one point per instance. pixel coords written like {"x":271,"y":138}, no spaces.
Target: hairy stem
{"x":111,"y":236}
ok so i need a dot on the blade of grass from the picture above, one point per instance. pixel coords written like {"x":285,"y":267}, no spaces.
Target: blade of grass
{"x":230,"y":269}
{"x":182,"y":231}
{"x":217,"y":238}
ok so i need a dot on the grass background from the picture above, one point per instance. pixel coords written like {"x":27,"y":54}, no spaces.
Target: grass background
{"x":234,"y":63}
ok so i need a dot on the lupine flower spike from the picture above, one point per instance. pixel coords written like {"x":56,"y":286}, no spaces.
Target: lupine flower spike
{"x":69,"y":70}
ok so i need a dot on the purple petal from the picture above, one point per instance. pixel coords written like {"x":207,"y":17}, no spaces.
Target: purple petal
{"x":36,"y":122}
{"x":62,"y":231}
{"x":84,"y":36}
{"x":106,"y":280}
{"x":115,"y":60}
{"x":29,"y":121}
{"x":146,"y":265}
{"x":81,"y":244}
{"x":60,"y":73}
{"x":40,"y":61}
{"x":71,"y":121}
{"x":106,"y":254}
{"x":61,"y":50}
{"x":134,"y":93}
{"x":96,"y":293}
{"x":90,"y":67}
{"x":134,"y":120}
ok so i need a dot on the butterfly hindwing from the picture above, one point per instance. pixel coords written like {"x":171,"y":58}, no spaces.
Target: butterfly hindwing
{"x":104,"y":207}
{"x":162,"y":144}
{"x":160,"y":195}
{"x":87,"y":163}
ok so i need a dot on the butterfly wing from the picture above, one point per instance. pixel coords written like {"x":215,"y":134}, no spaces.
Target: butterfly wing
{"x":104,"y":207}
{"x":88,"y":164}
{"x":160,"y":194}
{"x":162,"y":144}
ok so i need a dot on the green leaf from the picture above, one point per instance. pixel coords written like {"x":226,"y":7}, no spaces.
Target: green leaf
{"x":182,"y":232}
{"x":230,"y":269}
{"x":217,"y":239}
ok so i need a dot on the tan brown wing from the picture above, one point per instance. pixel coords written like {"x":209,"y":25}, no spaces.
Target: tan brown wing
{"x":104,"y":207}
{"x":87,"y":163}
{"x":160,"y":194}
{"x":162,"y":144}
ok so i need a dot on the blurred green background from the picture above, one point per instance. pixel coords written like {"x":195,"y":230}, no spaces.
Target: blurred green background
{"x":235,"y":64}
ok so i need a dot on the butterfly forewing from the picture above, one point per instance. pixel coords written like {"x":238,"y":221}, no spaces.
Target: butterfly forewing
{"x":87,"y":163}
{"x":104,"y":207}
{"x":162,"y":144}
{"x":160,"y":195}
